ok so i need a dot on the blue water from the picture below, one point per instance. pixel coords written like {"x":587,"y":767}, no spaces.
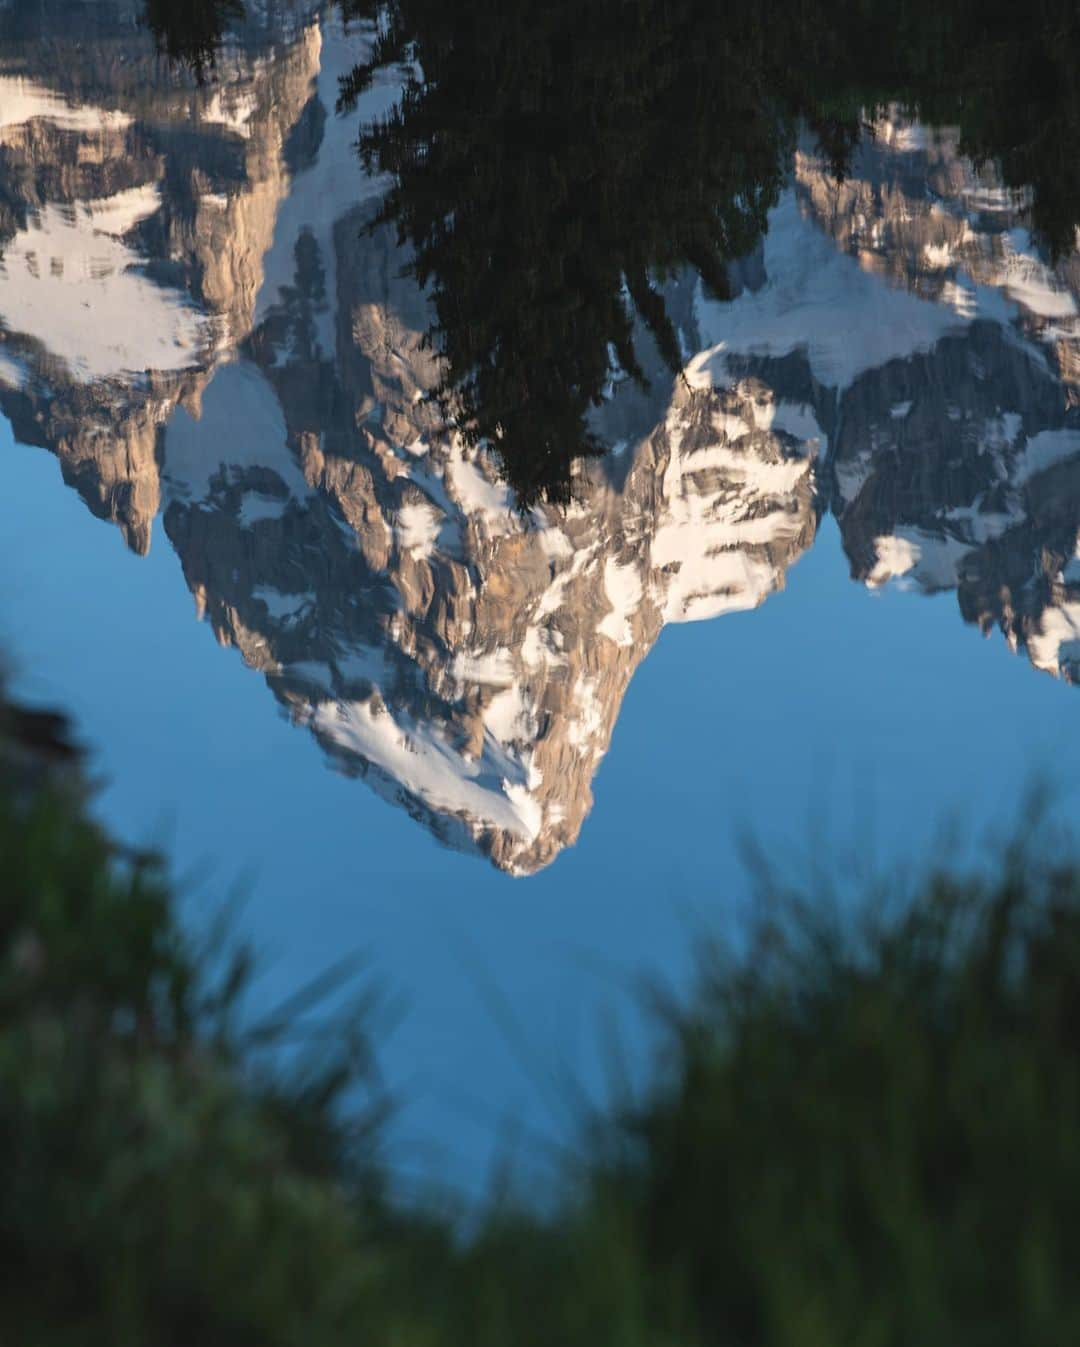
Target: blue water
{"x":831,"y":717}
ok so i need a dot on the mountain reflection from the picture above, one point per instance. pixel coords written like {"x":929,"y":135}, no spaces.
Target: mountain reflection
{"x":208,"y":311}
{"x":552,"y":165}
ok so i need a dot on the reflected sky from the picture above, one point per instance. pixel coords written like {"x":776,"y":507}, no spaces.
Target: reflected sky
{"x":826,"y":709}
{"x":218,"y":405}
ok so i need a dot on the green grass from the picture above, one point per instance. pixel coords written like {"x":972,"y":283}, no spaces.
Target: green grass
{"x":861,"y":1133}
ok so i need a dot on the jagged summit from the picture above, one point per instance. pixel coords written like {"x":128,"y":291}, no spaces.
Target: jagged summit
{"x":466,"y":660}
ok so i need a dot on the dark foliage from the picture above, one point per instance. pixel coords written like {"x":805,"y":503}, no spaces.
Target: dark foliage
{"x":191,"y":32}
{"x":554,"y":163}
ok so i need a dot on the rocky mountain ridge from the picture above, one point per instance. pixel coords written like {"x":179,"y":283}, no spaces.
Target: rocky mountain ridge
{"x":135,"y":233}
{"x":898,"y":353}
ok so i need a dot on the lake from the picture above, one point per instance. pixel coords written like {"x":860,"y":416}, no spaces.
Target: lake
{"x":460,"y":502}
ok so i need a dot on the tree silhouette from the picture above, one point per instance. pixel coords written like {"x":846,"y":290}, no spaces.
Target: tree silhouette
{"x":548,"y":167}
{"x":191,"y":32}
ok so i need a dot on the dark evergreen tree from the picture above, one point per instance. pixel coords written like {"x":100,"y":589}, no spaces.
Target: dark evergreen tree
{"x":191,"y":32}
{"x":549,"y":165}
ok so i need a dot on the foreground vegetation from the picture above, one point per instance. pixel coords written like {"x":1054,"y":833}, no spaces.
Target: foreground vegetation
{"x":867,"y":1138}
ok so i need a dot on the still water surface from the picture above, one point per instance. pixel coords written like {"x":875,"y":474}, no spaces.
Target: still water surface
{"x":438,"y":485}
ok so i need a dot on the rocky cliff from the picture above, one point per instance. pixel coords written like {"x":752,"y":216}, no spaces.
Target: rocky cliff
{"x":135,"y":212}
{"x":468,"y":661}
{"x":958,"y":466}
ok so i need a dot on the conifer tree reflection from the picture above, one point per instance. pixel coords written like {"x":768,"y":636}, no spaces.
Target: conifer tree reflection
{"x":549,"y":164}
{"x":191,"y":32}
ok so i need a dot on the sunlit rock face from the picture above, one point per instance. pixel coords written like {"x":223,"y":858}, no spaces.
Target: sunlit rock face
{"x":958,"y":466}
{"x":469,"y":661}
{"x":135,"y":211}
